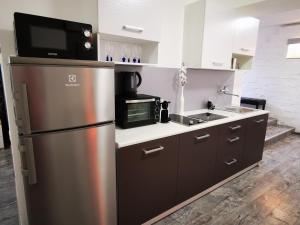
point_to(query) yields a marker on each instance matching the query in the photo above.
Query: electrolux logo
(72, 78)
(72, 81)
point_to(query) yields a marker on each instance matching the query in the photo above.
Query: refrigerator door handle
(23, 120)
(30, 170)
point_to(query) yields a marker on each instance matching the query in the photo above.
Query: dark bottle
(210, 105)
(164, 116)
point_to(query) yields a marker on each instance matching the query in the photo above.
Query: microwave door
(70, 177)
(60, 97)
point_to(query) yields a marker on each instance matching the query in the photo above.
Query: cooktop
(195, 119)
(184, 120)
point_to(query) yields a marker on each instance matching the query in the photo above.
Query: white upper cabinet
(208, 36)
(245, 38)
(139, 19)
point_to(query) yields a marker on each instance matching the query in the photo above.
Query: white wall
(77, 10)
(275, 78)
(202, 86)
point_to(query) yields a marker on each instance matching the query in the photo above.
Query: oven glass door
(138, 112)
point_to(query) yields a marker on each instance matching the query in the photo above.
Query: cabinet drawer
(232, 138)
(236, 128)
(147, 179)
(228, 166)
(231, 145)
(197, 157)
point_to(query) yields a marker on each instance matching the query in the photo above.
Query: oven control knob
(87, 33)
(87, 45)
(156, 109)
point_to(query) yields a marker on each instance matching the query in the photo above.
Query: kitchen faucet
(225, 91)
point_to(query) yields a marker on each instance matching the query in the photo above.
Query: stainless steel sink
(239, 109)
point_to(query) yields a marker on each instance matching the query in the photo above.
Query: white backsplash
(202, 86)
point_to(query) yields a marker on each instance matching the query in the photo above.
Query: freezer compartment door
(58, 97)
(74, 178)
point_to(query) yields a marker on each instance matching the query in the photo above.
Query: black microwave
(44, 37)
(137, 111)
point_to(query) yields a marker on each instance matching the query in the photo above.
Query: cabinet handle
(30, 171)
(133, 28)
(237, 127)
(245, 49)
(233, 161)
(25, 118)
(217, 64)
(232, 140)
(259, 121)
(151, 151)
(199, 138)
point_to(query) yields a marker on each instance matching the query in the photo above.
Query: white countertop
(127, 137)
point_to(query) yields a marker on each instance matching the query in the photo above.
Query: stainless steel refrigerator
(65, 116)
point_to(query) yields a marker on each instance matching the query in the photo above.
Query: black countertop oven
(137, 111)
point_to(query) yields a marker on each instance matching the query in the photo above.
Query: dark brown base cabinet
(255, 140)
(197, 156)
(230, 152)
(147, 180)
(157, 175)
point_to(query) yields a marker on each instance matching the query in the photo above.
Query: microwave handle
(140, 101)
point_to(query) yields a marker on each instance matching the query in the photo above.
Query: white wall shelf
(117, 47)
(244, 62)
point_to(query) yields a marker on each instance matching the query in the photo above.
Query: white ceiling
(285, 18)
(270, 12)
(274, 12)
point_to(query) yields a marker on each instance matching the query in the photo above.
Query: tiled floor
(266, 195)
(8, 206)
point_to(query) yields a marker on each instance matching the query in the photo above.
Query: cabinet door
(135, 19)
(217, 42)
(232, 141)
(197, 156)
(246, 31)
(147, 178)
(255, 140)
